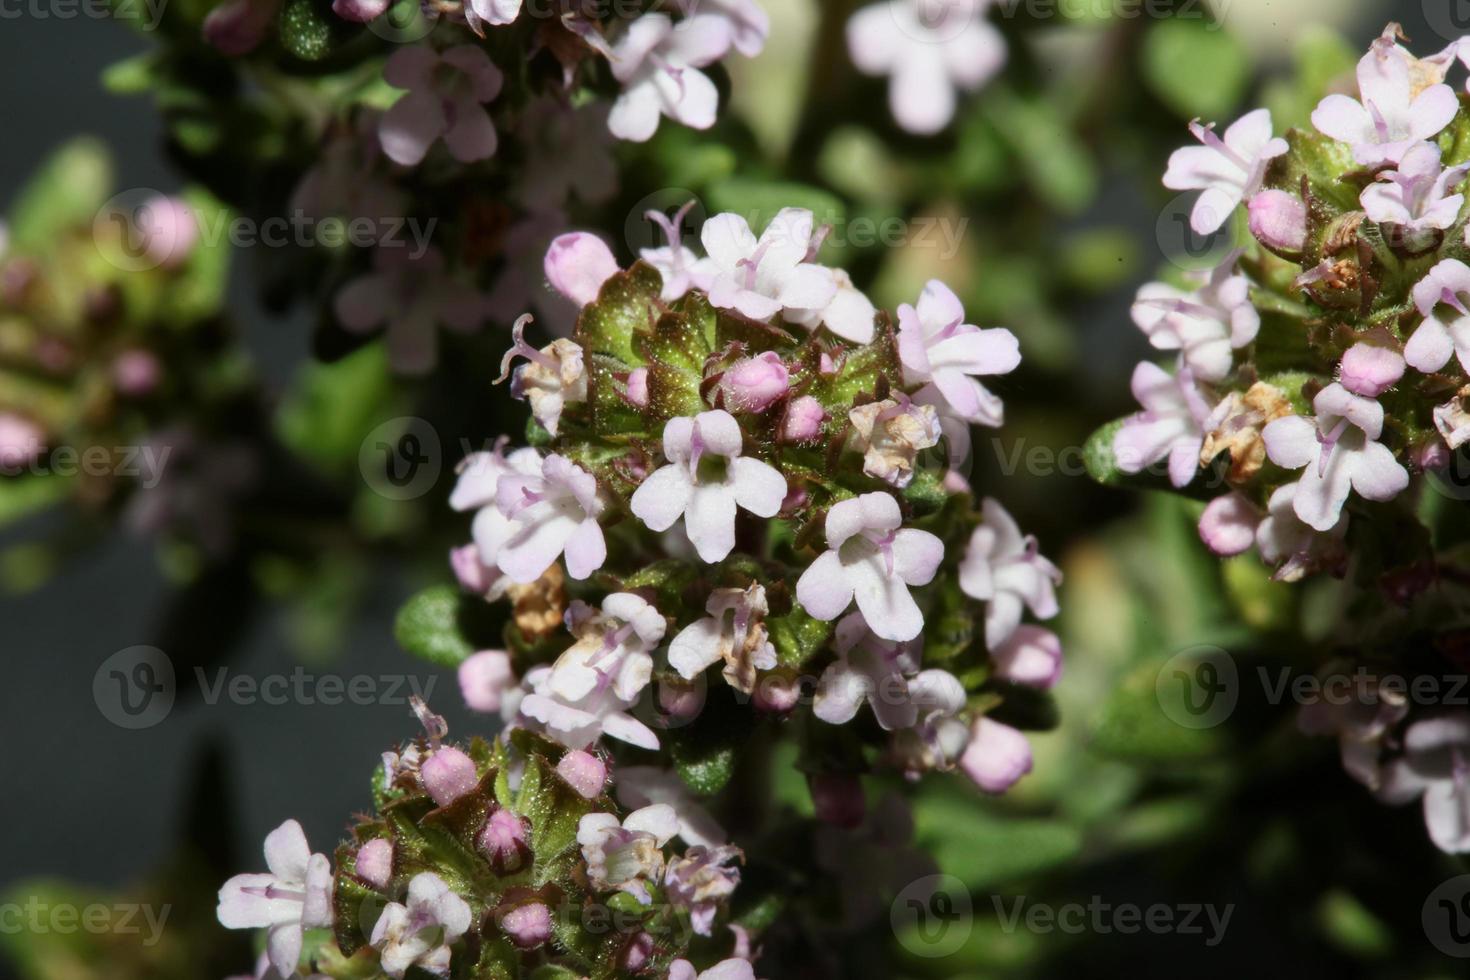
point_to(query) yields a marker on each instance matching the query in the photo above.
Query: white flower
(872, 559)
(850, 315)
(761, 278)
(1004, 569)
(868, 668)
(938, 737)
(1228, 170)
(1445, 330)
(1341, 453)
(734, 631)
(1171, 425)
(749, 24)
(1436, 766)
(641, 786)
(1204, 325)
(676, 263)
(732, 969)
(1417, 194)
(627, 856)
(552, 510)
(706, 479)
(419, 933)
(294, 896)
(946, 355)
(658, 63)
(929, 50)
(550, 378)
(1294, 547)
(588, 691)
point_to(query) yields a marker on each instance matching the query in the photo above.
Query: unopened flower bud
(1432, 454)
(469, 571)
(804, 418)
(777, 694)
(375, 863)
(680, 700)
(136, 373)
(1032, 656)
(528, 926)
(1370, 370)
(503, 840)
(638, 387)
(756, 383)
(838, 799)
(1228, 525)
(577, 264)
(1279, 221)
(484, 678)
(359, 11)
(21, 442)
(637, 953)
(168, 230)
(449, 775)
(997, 756)
(583, 772)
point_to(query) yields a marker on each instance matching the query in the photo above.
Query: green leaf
(797, 636)
(66, 193)
(985, 849)
(21, 496)
(868, 370)
(675, 353)
(626, 308)
(332, 407)
(1056, 164)
(428, 627)
(1195, 67)
(306, 30)
(131, 76)
(1138, 725)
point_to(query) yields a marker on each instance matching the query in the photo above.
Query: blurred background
(1118, 807)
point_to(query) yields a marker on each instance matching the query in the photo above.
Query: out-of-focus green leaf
(428, 627)
(1059, 168)
(984, 849)
(1195, 67)
(67, 192)
(332, 407)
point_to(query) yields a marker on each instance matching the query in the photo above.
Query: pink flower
(1032, 656)
(706, 479)
(169, 231)
(997, 756)
(505, 841)
(755, 383)
(700, 882)
(1339, 454)
(927, 58)
(749, 25)
(1292, 546)
(484, 678)
(238, 26)
(626, 856)
(588, 691)
(477, 566)
(1279, 221)
(1440, 297)
(577, 264)
(496, 13)
(137, 373)
(1435, 766)
(872, 669)
(1170, 426)
(359, 11)
(1391, 117)
(944, 354)
(1204, 324)
(1228, 525)
(551, 512)
(761, 278)
(445, 100)
(657, 63)
(641, 786)
(850, 315)
(874, 560)
(734, 631)
(1370, 369)
(21, 443)
(448, 775)
(1004, 569)
(1228, 170)
(680, 268)
(420, 933)
(409, 296)
(724, 970)
(583, 772)
(528, 926)
(294, 896)
(1417, 195)
(551, 378)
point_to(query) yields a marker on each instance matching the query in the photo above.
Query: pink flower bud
(375, 863)
(238, 27)
(1032, 656)
(168, 230)
(756, 383)
(503, 841)
(528, 926)
(21, 442)
(997, 756)
(359, 11)
(680, 700)
(136, 373)
(484, 678)
(1370, 370)
(956, 482)
(637, 953)
(449, 775)
(1228, 525)
(470, 572)
(1432, 454)
(777, 694)
(638, 387)
(838, 799)
(583, 772)
(804, 418)
(577, 264)
(1279, 221)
